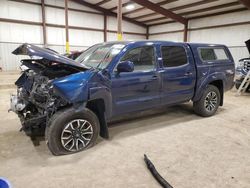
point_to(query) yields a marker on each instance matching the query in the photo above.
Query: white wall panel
(166, 27)
(71, 4)
(113, 37)
(126, 26)
(10, 32)
(239, 53)
(8, 61)
(55, 16)
(20, 11)
(176, 37)
(243, 16)
(85, 38)
(36, 1)
(133, 37)
(77, 6)
(82, 20)
(231, 36)
(55, 35)
(13, 35)
(60, 3)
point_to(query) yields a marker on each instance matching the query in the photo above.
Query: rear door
(178, 73)
(137, 90)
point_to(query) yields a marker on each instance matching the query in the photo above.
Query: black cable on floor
(156, 175)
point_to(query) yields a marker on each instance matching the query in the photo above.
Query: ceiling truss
(161, 15)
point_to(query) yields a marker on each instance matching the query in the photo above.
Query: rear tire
(70, 131)
(209, 102)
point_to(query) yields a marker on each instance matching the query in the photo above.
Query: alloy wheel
(76, 135)
(211, 101)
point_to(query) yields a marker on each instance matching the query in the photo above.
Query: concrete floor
(188, 151)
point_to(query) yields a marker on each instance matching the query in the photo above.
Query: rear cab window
(212, 54)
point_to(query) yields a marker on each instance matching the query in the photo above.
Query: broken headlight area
(35, 102)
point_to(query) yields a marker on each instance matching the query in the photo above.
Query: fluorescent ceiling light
(130, 6)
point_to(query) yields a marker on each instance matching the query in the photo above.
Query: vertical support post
(185, 32)
(105, 28)
(67, 26)
(147, 32)
(44, 24)
(119, 20)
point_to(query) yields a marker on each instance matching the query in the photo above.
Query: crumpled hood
(32, 50)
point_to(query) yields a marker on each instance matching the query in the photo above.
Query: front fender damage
(73, 88)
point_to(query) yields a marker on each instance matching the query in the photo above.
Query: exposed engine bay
(36, 101)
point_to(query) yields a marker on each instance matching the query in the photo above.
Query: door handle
(188, 73)
(155, 77)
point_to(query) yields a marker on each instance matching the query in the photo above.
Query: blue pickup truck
(71, 102)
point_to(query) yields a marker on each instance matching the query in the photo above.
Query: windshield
(99, 56)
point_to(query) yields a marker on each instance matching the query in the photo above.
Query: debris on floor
(156, 175)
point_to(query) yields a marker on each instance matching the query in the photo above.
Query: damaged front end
(35, 102)
(39, 90)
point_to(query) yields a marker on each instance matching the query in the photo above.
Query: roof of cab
(163, 42)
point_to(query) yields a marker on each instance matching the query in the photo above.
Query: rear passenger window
(173, 56)
(213, 54)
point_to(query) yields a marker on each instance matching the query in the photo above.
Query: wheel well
(219, 85)
(98, 107)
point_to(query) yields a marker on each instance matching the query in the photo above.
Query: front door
(137, 90)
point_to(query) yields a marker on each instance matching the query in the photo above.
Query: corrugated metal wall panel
(221, 19)
(166, 27)
(177, 37)
(13, 35)
(126, 26)
(55, 16)
(20, 11)
(10, 32)
(96, 21)
(85, 38)
(113, 37)
(55, 35)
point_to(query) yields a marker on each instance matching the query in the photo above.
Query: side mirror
(125, 66)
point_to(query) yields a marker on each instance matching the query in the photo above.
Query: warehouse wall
(232, 36)
(14, 34)
(171, 32)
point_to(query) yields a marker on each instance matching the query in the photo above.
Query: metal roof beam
(143, 8)
(107, 12)
(167, 13)
(246, 3)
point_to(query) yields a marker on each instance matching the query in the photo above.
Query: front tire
(70, 131)
(208, 103)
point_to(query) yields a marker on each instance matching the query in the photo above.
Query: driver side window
(142, 57)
